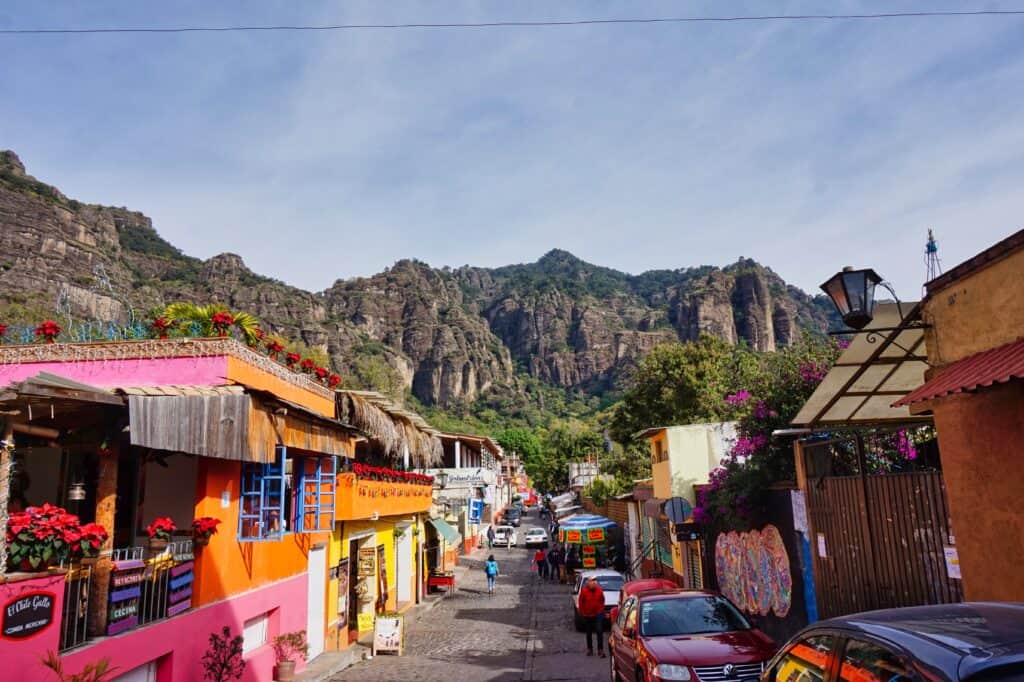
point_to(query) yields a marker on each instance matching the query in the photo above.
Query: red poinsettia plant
(204, 527)
(308, 366)
(160, 327)
(333, 380)
(3, 332)
(372, 473)
(321, 373)
(45, 536)
(253, 341)
(274, 348)
(292, 359)
(48, 331)
(222, 322)
(161, 528)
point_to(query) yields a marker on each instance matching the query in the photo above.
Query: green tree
(682, 383)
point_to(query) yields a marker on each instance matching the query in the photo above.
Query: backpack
(491, 567)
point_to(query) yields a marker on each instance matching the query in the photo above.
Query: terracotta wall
(980, 436)
(981, 311)
(227, 566)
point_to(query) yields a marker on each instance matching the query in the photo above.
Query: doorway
(403, 566)
(317, 607)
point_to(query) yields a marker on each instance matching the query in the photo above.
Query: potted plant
(48, 331)
(160, 532)
(202, 529)
(41, 537)
(286, 647)
(91, 538)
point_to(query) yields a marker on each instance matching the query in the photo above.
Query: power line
(526, 24)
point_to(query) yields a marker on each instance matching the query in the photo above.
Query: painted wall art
(753, 571)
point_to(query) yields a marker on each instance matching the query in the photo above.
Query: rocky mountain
(447, 334)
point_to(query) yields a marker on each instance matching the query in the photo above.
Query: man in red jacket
(591, 608)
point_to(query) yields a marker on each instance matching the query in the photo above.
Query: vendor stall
(592, 541)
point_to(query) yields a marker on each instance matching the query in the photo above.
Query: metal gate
(877, 539)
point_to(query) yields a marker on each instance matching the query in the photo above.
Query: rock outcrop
(447, 335)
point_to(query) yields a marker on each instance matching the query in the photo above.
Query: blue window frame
(261, 509)
(317, 481)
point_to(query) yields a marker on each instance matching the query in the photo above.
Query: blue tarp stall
(599, 539)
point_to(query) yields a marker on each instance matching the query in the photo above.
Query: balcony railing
(75, 614)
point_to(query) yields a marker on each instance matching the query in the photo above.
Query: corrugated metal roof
(989, 367)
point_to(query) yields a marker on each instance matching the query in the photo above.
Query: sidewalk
(330, 663)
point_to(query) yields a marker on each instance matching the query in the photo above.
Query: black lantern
(853, 293)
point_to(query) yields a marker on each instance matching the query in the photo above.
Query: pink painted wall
(23, 655)
(208, 371)
(181, 641)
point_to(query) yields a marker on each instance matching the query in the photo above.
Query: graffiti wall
(753, 571)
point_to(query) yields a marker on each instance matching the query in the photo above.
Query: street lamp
(853, 294)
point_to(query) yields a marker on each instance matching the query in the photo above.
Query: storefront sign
(595, 535)
(574, 536)
(28, 614)
(589, 550)
(366, 621)
(589, 562)
(476, 510)
(388, 634)
(367, 562)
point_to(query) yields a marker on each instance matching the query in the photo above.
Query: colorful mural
(753, 571)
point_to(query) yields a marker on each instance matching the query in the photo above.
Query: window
(254, 632)
(631, 618)
(624, 611)
(261, 513)
(868, 662)
(317, 479)
(659, 451)
(805, 661)
(288, 493)
(689, 616)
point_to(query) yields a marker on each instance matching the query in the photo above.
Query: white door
(403, 566)
(316, 620)
(144, 673)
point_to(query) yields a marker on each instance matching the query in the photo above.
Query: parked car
(685, 635)
(644, 585)
(536, 537)
(513, 516)
(505, 536)
(610, 581)
(942, 643)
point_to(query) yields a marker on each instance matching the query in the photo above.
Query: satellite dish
(678, 509)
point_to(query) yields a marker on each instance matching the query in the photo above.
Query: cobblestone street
(523, 632)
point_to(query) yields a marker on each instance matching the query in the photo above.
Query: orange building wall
(226, 566)
(979, 438)
(242, 372)
(981, 311)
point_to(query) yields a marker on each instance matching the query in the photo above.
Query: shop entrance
(403, 566)
(353, 598)
(317, 607)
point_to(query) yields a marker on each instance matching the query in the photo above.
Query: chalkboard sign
(28, 614)
(389, 634)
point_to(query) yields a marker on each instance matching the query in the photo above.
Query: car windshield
(689, 616)
(610, 583)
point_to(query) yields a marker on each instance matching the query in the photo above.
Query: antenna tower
(931, 258)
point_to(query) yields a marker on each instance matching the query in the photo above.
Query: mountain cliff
(447, 335)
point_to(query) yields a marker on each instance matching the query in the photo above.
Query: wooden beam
(5, 489)
(106, 505)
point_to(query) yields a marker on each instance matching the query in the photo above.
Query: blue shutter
(317, 483)
(261, 508)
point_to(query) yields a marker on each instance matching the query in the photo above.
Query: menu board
(574, 536)
(179, 588)
(595, 535)
(367, 558)
(125, 591)
(389, 634)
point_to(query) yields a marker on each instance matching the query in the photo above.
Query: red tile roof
(995, 366)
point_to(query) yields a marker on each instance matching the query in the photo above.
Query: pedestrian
(573, 562)
(541, 560)
(554, 562)
(491, 569)
(490, 537)
(591, 609)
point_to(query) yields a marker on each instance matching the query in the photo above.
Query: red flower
(221, 322)
(205, 526)
(321, 373)
(48, 331)
(291, 359)
(274, 348)
(3, 329)
(307, 365)
(161, 528)
(333, 380)
(159, 327)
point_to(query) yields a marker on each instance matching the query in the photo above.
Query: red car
(644, 585)
(685, 635)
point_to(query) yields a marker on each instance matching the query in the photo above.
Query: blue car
(982, 642)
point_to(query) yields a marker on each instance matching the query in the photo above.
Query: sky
(321, 156)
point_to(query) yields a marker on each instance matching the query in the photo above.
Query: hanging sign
(595, 535)
(367, 562)
(589, 550)
(589, 562)
(476, 510)
(574, 537)
(389, 634)
(28, 614)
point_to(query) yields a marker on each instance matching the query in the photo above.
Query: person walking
(541, 560)
(491, 569)
(554, 562)
(591, 609)
(490, 537)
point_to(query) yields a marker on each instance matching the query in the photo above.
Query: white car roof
(504, 528)
(599, 573)
(536, 531)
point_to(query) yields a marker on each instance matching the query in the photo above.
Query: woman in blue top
(491, 569)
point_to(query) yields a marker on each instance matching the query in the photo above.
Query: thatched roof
(391, 427)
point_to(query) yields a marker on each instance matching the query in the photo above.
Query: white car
(505, 536)
(536, 537)
(611, 583)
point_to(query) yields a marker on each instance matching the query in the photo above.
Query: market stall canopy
(447, 531)
(584, 529)
(585, 521)
(884, 362)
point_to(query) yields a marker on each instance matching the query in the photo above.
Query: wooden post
(106, 505)
(5, 489)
